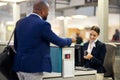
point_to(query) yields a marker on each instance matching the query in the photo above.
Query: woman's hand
(88, 56)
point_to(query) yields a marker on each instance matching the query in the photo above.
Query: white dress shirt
(37, 15)
(91, 45)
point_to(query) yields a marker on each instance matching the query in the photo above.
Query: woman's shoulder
(86, 43)
(100, 43)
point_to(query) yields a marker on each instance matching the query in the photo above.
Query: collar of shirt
(36, 15)
(93, 43)
(90, 46)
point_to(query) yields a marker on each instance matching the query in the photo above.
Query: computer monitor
(79, 53)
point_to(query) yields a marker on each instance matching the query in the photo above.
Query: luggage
(6, 63)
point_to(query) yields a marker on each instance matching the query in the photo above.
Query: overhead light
(9, 22)
(68, 18)
(60, 18)
(13, 0)
(3, 3)
(79, 16)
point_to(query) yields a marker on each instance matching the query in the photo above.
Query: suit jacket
(32, 44)
(98, 53)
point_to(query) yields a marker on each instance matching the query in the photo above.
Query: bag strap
(10, 38)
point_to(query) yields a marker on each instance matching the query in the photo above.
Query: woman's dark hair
(96, 29)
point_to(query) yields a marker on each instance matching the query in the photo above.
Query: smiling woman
(96, 51)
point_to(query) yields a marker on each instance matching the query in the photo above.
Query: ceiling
(64, 7)
(68, 4)
(60, 5)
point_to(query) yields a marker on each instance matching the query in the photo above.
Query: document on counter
(83, 69)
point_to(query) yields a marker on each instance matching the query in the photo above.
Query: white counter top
(76, 73)
(53, 74)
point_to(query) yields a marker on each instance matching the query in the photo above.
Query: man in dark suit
(95, 52)
(79, 39)
(32, 43)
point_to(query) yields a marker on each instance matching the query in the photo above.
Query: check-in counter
(63, 66)
(117, 45)
(118, 49)
(2, 46)
(78, 75)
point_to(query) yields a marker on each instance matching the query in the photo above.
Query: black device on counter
(79, 53)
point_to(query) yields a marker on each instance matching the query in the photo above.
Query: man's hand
(73, 40)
